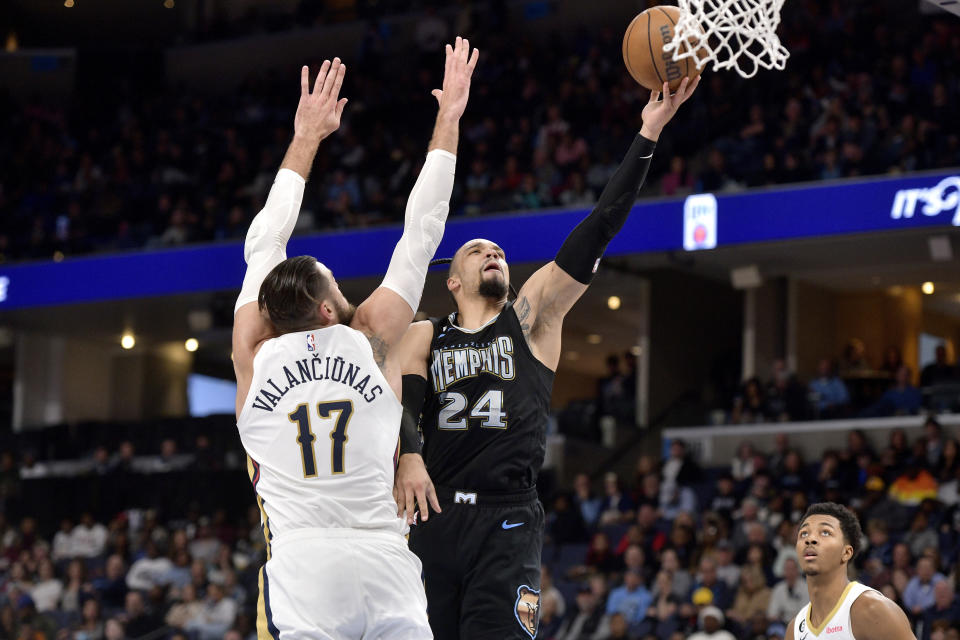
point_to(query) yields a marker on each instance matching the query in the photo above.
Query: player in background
(828, 541)
(484, 412)
(318, 392)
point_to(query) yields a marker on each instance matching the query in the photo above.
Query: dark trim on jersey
(271, 627)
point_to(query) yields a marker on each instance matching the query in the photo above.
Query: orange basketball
(643, 50)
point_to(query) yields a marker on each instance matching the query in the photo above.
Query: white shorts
(342, 584)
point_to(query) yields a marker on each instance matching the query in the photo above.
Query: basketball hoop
(734, 34)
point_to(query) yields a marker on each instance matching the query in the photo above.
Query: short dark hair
(849, 523)
(291, 292)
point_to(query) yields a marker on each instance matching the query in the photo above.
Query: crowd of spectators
(683, 552)
(547, 125)
(849, 388)
(673, 550)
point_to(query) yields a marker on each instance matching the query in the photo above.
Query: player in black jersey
(478, 384)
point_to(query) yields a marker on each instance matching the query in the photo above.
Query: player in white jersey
(318, 393)
(829, 538)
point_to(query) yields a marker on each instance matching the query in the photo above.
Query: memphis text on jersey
(315, 369)
(451, 365)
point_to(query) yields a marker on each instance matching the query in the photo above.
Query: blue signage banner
(698, 222)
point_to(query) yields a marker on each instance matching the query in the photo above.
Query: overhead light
(636, 350)
(191, 345)
(68, 3)
(594, 338)
(58, 256)
(927, 287)
(127, 341)
(168, 4)
(613, 302)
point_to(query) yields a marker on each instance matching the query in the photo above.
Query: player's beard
(494, 288)
(345, 312)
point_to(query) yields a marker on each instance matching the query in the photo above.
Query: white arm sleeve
(266, 243)
(423, 224)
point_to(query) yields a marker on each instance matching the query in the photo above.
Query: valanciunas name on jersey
(316, 369)
(451, 365)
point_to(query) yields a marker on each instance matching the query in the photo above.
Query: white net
(733, 34)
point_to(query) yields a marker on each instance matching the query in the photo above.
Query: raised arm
(318, 115)
(549, 294)
(386, 314)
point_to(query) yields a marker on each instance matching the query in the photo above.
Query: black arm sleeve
(414, 393)
(581, 251)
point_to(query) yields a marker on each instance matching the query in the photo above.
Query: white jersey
(836, 626)
(320, 425)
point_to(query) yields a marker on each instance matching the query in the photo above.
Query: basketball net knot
(734, 34)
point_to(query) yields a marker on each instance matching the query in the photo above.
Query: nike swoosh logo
(517, 524)
(803, 637)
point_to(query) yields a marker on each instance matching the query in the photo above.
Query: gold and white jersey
(320, 426)
(836, 626)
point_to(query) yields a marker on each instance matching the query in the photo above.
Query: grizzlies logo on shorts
(528, 609)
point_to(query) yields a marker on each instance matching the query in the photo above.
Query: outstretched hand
(658, 112)
(319, 111)
(456, 78)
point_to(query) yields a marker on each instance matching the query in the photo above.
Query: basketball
(643, 50)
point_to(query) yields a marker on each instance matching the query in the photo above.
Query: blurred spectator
(743, 465)
(901, 399)
(724, 501)
(939, 371)
(945, 607)
(789, 595)
(753, 596)
(662, 616)
(631, 600)
(785, 397)
(138, 621)
(91, 623)
(710, 622)
(89, 538)
(919, 593)
(830, 394)
(933, 435)
(149, 571)
(680, 468)
(617, 506)
(549, 591)
(727, 569)
(48, 589)
(589, 622)
(707, 578)
(681, 580)
(63, 542)
(111, 589)
(584, 499)
(892, 360)
(600, 556)
(216, 616)
(564, 523)
(913, 486)
(920, 536)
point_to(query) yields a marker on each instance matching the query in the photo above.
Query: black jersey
(484, 420)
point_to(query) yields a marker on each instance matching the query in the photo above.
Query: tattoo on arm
(380, 349)
(523, 314)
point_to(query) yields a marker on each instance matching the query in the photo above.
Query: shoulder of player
(873, 614)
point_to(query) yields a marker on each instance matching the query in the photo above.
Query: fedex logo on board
(944, 197)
